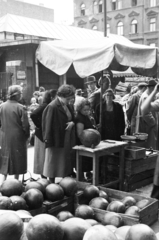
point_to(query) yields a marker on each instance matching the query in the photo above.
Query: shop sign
(21, 75)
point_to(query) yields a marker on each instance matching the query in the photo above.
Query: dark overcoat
(15, 132)
(54, 123)
(119, 118)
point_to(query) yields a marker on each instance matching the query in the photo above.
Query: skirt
(58, 161)
(39, 156)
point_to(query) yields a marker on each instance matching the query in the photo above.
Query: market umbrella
(92, 56)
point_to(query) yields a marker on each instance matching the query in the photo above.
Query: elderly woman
(113, 122)
(36, 116)
(58, 134)
(84, 121)
(15, 132)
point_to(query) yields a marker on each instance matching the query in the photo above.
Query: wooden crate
(67, 205)
(148, 214)
(137, 172)
(99, 214)
(133, 152)
(54, 208)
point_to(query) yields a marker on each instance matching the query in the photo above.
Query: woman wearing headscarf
(113, 122)
(59, 134)
(15, 132)
(39, 145)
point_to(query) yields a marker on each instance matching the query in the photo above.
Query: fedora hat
(151, 82)
(90, 79)
(143, 84)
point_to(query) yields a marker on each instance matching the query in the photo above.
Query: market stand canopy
(91, 56)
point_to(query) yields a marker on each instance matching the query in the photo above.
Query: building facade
(24, 9)
(137, 20)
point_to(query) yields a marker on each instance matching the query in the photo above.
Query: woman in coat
(39, 145)
(59, 134)
(113, 122)
(15, 132)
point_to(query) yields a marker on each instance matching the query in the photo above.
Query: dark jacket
(36, 117)
(119, 118)
(54, 121)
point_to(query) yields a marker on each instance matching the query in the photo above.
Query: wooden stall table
(105, 147)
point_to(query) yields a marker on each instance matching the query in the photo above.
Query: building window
(83, 9)
(94, 27)
(108, 29)
(100, 6)
(120, 28)
(152, 3)
(134, 26)
(152, 24)
(95, 7)
(114, 5)
(134, 2)
(119, 4)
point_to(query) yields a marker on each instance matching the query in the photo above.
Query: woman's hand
(69, 125)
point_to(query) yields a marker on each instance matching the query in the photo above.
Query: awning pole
(101, 93)
(101, 100)
(36, 72)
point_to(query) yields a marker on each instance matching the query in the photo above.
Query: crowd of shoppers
(60, 116)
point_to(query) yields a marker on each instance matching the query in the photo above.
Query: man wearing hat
(132, 106)
(91, 85)
(94, 98)
(147, 123)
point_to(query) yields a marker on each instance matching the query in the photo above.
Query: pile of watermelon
(15, 196)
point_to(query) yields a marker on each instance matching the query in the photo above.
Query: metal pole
(101, 93)
(105, 18)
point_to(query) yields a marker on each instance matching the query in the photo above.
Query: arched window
(133, 2)
(83, 9)
(120, 28)
(152, 24)
(94, 27)
(95, 7)
(134, 26)
(152, 3)
(108, 28)
(100, 6)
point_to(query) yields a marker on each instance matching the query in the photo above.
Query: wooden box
(133, 152)
(53, 208)
(137, 172)
(148, 214)
(99, 214)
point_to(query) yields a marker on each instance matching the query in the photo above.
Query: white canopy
(91, 56)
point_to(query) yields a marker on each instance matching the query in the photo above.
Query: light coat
(15, 132)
